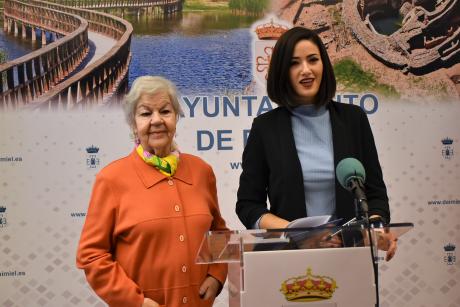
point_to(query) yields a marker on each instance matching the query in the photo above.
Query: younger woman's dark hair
(279, 87)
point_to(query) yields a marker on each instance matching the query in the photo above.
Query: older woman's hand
(209, 288)
(150, 303)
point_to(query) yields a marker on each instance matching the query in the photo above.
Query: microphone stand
(357, 187)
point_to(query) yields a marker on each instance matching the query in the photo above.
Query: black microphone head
(349, 169)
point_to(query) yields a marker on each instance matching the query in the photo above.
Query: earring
(134, 136)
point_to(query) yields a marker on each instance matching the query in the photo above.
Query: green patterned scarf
(166, 165)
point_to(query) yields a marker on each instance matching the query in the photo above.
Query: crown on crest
(449, 247)
(270, 30)
(447, 141)
(92, 149)
(308, 288)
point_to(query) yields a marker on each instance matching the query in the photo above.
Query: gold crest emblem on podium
(308, 288)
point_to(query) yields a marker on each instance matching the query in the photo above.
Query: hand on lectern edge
(328, 241)
(150, 303)
(209, 288)
(316, 239)
(388, 242)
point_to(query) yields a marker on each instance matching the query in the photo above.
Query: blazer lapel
(342, 145)
(340, 138)
(291, 162)
(286, 137)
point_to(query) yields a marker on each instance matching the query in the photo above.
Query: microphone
(351, 175)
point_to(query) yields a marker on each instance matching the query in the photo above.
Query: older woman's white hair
(149, 85)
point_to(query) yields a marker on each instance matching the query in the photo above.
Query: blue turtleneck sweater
(313, 140)
(312, 132)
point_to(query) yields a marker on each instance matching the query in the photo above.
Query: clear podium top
(228, 246)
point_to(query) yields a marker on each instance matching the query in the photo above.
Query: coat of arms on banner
(92, 161)
(447, 148)
(308, 288)
(2, 216)
(265, 33)
(449, 258)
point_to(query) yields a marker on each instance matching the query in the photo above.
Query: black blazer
(272, 167)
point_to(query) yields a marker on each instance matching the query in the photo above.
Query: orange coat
(143, 231)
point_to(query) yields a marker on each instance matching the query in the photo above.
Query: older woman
(293, 150)
(149, 211)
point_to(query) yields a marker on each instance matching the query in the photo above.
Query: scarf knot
(166, 165)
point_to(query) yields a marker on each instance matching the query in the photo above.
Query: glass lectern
(292, 267)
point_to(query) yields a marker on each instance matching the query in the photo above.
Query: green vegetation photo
(355, 79)
(200, 5)
(250, 6)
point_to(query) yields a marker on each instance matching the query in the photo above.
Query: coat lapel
(342, 145)
(291, 162)
(184, 173)
(151, 176)
(340, 138)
